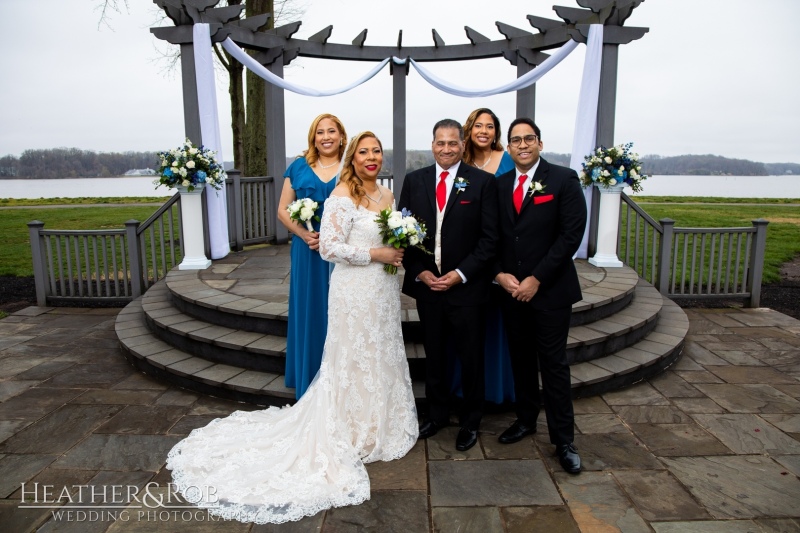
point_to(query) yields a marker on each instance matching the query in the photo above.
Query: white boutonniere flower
(534, 187)
(460, 184)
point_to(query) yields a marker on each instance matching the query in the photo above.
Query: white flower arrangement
(190, 167)
(304, 210)
(617, 165)
(536, 186)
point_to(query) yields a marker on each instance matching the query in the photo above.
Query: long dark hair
(469, 146)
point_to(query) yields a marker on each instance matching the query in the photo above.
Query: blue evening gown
(308, 288)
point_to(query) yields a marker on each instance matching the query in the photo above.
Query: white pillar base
(194, 263)
(605, 261)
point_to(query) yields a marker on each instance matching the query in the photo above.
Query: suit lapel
(451, 199)
(430, 190)
(505, 189)
(540, 175)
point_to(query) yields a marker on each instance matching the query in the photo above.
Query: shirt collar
(453, 170)
(529, 173)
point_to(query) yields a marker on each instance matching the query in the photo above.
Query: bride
(279, 465)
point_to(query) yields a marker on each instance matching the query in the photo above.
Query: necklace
(380, 196)
(327, 166)
(488, 159)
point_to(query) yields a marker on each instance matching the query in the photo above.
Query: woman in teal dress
(484, 150)
(313, 176)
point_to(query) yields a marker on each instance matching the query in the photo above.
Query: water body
(719, 186)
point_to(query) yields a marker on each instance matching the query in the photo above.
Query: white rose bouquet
(190, 167)
(613, 166)
(401, 230)
(304, 210)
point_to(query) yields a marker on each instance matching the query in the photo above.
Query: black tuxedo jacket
(469, 234)
(542, 239)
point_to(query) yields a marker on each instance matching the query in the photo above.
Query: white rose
(174, 163)
(583, 175)
(633, 173)
(608, 160)
(190, 164)
(413, 240)
(185, 183)
(182, 172)
(621, 168)
(612, 181)
(306, 213)
(537, 186)
(209, 179)
(192, 151)
(411, 221)
(606, 173)
(395, 220)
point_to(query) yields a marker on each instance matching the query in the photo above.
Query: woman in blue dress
(484, 150)
(313, 176)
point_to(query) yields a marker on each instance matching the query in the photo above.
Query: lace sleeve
(337, 221)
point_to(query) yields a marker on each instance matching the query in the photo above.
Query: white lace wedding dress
(279, 465)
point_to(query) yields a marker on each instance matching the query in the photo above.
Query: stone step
(200, 295)
(657, 350)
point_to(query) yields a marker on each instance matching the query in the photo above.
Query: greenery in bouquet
(613, 166)
(401, 230)
(189, 166)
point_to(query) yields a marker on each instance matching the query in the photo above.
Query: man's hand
(450, 279)
(508, 282)
(427, 277)
(527, 289)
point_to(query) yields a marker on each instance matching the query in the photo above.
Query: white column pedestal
(608, 228)
(194, 256)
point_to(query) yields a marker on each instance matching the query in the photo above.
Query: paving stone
(385, 511)
(186, 424)
(142, 420)
(94, 376)
(187, 367)
(791, 462)
(652, 414)
(790, 423)
(600, 423)
(406, 473)
(763, 316)
(217, 373)
(10, 388)
(459, 519)
(442, 446)
(697, 376)
(748, 433)
(36, 402)
(658, 496)
(44, 370)
(60, 430)
(778, 525)
(748, 374)
(118, 397)
(9, 427)
(640, 394)
(552, 519)
(697, 405)
(685, 363)
(750, 398)
(14, 518)
(12, 366)
(51, 483)
(498, 483)
(119, 452)
(598, 504)
(177, 397)
(140, 381)
(205, 405)
(672, 385)
(16, 469)
(701, 355)
(592, 404)
(738, 358)
(604, 451)
(738, 486)
(728, 526)
(494, 425)
(670, 440)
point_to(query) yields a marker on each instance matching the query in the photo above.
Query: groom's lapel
(430, 188)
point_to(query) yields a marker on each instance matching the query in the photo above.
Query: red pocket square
(463, 202)
(542, 199)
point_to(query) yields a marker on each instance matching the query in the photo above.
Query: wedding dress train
(282, 464)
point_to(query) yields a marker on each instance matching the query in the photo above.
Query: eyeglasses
(516, 141)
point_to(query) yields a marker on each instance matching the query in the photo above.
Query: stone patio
(711, 445)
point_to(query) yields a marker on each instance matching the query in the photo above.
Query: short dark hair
(449, 123)
(524, 120)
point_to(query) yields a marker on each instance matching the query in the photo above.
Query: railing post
(135, 257)
(238, 215)
(756, 270)
(665, 254)
(39, 267)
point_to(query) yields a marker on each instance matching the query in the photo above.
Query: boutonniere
(460, 184)
(534, 187)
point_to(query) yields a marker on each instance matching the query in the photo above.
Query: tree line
(57, 163)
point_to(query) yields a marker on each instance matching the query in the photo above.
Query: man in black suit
(542, 215)
(451, 286)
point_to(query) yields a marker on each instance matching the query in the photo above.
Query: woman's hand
(387, 255)
(311, 238)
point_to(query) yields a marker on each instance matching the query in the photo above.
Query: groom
(459, 206)
(542, 217)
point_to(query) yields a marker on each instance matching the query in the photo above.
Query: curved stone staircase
(222, 331)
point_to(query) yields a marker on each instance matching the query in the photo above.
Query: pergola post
(191, 107)
(399, 74)
(276, 141)
(526, 98)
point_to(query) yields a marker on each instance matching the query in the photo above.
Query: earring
(340, 142)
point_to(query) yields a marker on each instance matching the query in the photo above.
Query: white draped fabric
(584, 137)
(585, 122)
(216, 201)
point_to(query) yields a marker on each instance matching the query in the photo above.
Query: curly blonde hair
(312, 154)
(469, 146)
(348, 176)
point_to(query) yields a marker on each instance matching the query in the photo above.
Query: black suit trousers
(464, 327)
(537, 342)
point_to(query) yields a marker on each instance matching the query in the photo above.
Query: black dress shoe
(466, 439)
(429, 429)
(516, 432)
(569, 458)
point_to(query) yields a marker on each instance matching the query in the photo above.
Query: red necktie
(441, 190)
(519, 193)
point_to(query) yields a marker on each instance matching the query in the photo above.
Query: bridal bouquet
(189, 166)
(617, 165)
(303, 210)
(401, 230)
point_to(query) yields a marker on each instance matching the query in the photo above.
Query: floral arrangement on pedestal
(615, 166)
(189, 166)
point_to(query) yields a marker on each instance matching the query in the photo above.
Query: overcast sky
(711, 76)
